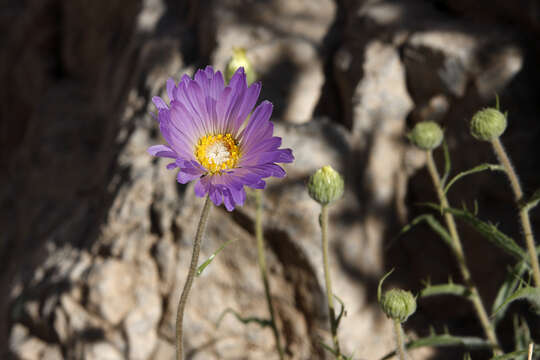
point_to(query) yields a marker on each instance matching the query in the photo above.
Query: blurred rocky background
(96, 234)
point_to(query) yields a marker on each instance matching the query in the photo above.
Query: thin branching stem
(264, 273)
(189, 280)
(460, 256)
(400, 344)
(523, 212)
(328, 281)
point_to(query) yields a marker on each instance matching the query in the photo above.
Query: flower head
(239, 59)
(398, 304)
(427, 135)
(211, 139)
(326, 185)
(488, 124)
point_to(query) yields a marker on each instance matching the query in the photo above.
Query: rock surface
(98, 233)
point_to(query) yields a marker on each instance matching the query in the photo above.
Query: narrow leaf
(526, 292)
(444, 289)
(516, 354)
(476, 169)
(244, 320)
(533, 201)
(341, 312)
(379, 288)
(508, 287)
(329, 349)
(433, 223)
(203, 266)
(447, 163)
(490, 232)
(444, 340)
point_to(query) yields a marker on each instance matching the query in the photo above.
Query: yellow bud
(239, 59)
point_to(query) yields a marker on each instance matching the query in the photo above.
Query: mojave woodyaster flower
(211, 139)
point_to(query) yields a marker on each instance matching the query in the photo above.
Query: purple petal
(215, 195)
(177, 140)
(254, 151)
(162, 151)
(189, 170)
(259, 126)
(171, 85)
(200, 188)
(249, 99)
(228, 200)
(184, 123)
(160, 104)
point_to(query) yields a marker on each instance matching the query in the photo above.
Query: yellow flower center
(217, 152)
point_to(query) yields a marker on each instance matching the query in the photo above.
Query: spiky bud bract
(397, 304)
(326, 185)
(427, 135)
(488, 124)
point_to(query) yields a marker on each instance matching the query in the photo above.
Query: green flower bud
(398, 304)
(427, 135)
(326, 185)
(239, 59)
(488, 124)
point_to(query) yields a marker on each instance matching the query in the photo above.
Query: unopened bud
(239, 59)
(326, 185)
(488, 124)
(427, 135)
(398, 304)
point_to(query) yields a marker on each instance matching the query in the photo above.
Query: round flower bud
(239, 59)
(398, 304)
(326, 185)
(488, 124)
(427, 135)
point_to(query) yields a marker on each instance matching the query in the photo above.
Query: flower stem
(460, 256)
(400, 348)
(523, 212)
(264, 273)
(189, 279)
(329, 293)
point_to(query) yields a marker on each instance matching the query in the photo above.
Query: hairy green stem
(523, 212)
(460, 256)
(329, 293)
(400, 348)
(264, 273)
(189, 279)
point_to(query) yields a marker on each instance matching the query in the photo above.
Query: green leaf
(516, 354)
(526, 292)
(244, 320)
(433, 223)
(447, 164)
(332, 351)
(203, 266)
(329, 349)
(467, 356)
(510, 284)
(476, 169)
(444, 289)
(532, 202)
(341, 312)
(379, 288)
(444, 340)
(490, 232)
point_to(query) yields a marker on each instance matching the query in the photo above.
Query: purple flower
(214, 140)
